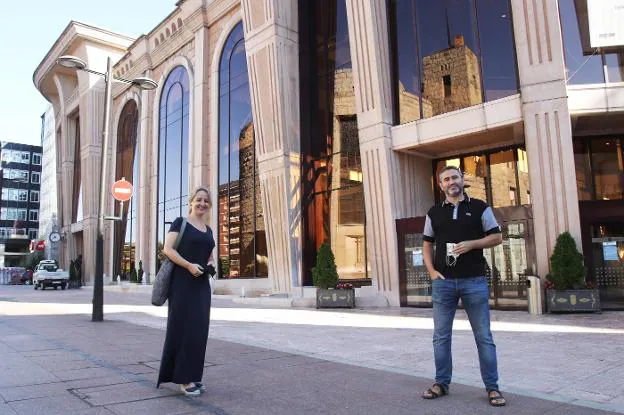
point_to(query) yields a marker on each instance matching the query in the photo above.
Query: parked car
(48, 274)
(27, 277)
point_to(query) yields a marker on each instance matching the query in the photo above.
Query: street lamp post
(76, 63)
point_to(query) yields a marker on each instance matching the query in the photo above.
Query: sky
(29, 29)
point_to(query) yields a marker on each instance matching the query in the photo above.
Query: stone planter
(335, 298)
(572, 300)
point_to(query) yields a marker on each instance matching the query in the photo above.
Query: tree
(32, 259)
(324, 274)
(567, 271)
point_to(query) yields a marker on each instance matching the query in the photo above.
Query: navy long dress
(189, 310)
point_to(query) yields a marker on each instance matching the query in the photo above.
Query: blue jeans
(474, 294)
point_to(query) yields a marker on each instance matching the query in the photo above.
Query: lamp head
(144, 83)
(72, 62)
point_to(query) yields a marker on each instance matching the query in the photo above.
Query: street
(266, 359)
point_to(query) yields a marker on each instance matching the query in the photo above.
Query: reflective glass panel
(173, 152)
(615, 67)
(475, 176)
(503, 179)
(606, 157)
(241, 238)
(580, 69)
(450, 54)
(583, 171)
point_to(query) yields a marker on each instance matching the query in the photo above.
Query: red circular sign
(122, 190)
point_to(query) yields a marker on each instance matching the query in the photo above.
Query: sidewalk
(67, 364)
(290, 361)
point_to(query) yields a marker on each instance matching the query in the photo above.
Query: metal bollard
(534, 294)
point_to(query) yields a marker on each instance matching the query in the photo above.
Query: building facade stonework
(309, 133)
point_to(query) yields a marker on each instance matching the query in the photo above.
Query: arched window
(127, 165)
(173, 151)
(242, 237)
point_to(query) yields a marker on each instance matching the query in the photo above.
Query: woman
(189, 297)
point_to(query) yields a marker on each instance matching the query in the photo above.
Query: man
(460, 228)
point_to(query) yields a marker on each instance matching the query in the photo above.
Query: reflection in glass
(615, 67)
(523, 176)
(500, 178)
(126, 167)
(498, 59)
(503, 179)
(172, 152)
(418, 284)
(77, 214)
(585, 68)
(332, 168)
(507, 263)
(583, 173)
(455, 52)
(242, 238)
(475, 176)
(606, 159)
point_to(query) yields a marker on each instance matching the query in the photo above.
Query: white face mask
(451, 257)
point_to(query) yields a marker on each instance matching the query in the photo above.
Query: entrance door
(602, 229)
(509, 263)
(608, 263)
(414, 281)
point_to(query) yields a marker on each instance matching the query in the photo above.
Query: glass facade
(333, 194)
(173, 158)
(450, 54)
(77, 213)
(127, 167)
(242, 243)
(500, 177)
(599, 168)
(585, 66)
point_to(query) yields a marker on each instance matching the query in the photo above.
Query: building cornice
(74, 31)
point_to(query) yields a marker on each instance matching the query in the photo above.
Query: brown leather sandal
(496, 398)
(435, 392)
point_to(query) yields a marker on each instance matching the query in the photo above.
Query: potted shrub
(325, 278)
(566, 288)
(140, 273)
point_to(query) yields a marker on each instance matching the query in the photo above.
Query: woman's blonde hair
(198, 189)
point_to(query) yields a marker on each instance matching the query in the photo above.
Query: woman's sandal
(496, 398)
(434, 392)
(190, 391)
(201, 386)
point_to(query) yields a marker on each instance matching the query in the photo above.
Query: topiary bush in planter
(325, 278)
(566, 288)
(324, 274)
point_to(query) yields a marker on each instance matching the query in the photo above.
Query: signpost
(122, 190)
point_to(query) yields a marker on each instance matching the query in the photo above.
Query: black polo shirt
(470, 219)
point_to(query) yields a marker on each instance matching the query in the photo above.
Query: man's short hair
(446, 168)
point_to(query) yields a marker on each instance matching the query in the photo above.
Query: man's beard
(454, 191)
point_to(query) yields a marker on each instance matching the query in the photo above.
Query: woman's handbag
(160, 290)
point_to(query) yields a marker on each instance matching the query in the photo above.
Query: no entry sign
(122, 190)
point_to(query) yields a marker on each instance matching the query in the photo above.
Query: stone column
(91, 120)
(142, 191)
(547, 125)
(199, 148)
(271, 42)
(382, 167)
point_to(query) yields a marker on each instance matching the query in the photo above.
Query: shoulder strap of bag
(179, 237)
